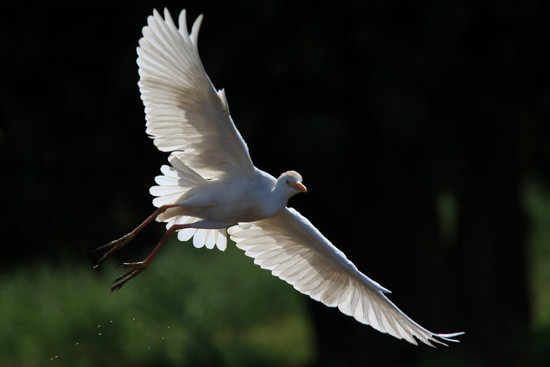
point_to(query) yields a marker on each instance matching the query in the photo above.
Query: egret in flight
(211, 188)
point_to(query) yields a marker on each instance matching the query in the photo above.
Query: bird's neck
(278, 198)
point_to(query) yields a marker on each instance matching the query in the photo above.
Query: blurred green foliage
(537, 202)
(190, 308)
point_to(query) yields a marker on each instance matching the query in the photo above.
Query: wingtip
(195, 30)
(167, 14)
(447, 338)
(183, 12)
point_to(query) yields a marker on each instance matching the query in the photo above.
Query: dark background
(384, 107)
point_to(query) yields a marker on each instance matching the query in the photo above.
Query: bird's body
(211, 184)
(244, 200)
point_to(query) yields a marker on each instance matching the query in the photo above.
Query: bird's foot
(137, 268)
(114, 245)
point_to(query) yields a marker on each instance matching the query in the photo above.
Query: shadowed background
(422, 133)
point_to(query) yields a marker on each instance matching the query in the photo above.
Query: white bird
(211, 184)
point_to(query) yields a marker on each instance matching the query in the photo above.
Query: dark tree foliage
(382, 106)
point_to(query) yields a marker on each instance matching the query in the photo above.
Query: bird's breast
(237, 200)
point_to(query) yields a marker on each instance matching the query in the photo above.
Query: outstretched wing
(295, 251)
(184, 111)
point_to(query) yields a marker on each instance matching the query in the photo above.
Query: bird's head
(291, 183)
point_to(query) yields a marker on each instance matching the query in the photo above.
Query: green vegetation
(537, 202)
(190, 308)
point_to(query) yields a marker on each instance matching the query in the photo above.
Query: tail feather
(177, 180)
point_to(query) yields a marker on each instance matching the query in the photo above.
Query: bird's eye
(288, 182)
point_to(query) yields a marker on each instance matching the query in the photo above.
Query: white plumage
(211, 184)
(295, 251)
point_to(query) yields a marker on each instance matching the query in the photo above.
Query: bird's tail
(177, 179)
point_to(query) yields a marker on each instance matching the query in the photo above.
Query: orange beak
(298, 186)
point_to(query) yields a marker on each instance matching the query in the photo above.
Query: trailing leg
(140, 266)
(123, 241)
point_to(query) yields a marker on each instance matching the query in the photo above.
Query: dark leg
(123, 241)
(140, 266)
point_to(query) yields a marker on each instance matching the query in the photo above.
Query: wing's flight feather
(184, 112)
(295, 251)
